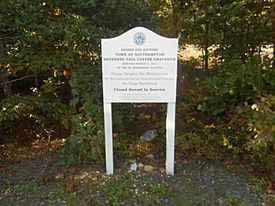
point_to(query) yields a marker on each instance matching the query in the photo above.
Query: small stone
(263, 99)
(185, 162)
(148, 135)
(133, 167)
(140, 165)
(150, 156)
(162, 170)
(148, 168)
(238, 109)
(94, 179)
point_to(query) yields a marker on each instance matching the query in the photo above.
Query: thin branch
(19, 79)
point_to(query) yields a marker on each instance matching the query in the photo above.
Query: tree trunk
(273, 31)
(175, 19)
(206, 44)
(6, 85)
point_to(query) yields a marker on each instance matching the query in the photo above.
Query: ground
(33, 176)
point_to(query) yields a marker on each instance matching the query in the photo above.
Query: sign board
(139, 66)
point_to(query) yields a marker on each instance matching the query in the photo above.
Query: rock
(150, 156)
(133, 167)
(162, 170)
(263, 99)
(238, 109)
(94, 179)
(148, 168)
(59, 176)
(148, 135)
(140, 165)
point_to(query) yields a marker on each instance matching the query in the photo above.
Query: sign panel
(139, 66)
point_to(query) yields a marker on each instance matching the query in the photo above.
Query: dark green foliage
(55, 46)
(232, 35)
(219, 28)
(86, 140)
(249, 130)
(24, 119)
(244, 94)
(40, 109)
(58, 42)
(233, 83)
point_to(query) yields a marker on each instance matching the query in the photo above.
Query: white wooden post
(170, 138)
(108, 138)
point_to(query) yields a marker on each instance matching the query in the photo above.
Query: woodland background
(51, 110)
(51, 70)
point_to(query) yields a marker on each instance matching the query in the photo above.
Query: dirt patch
(35, 177)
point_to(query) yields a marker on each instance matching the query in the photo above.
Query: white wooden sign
(139, 66)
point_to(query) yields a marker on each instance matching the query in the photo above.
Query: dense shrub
(38, 108)
(242, 98)
(249, 129)
(235, 82)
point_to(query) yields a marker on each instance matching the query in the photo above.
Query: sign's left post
(108, 129)
(108, 137)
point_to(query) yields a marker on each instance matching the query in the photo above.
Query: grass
(159, 189)
(117, 192)
(127, 189)
(22, 173)
(233, 200)
(257, 184)
(124, 189)
(27, 187)
(269, 198)
(58, 191)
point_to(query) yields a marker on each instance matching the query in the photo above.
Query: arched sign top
(140, 35)
(139, 66)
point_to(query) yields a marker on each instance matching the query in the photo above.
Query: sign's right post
(170, 138)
